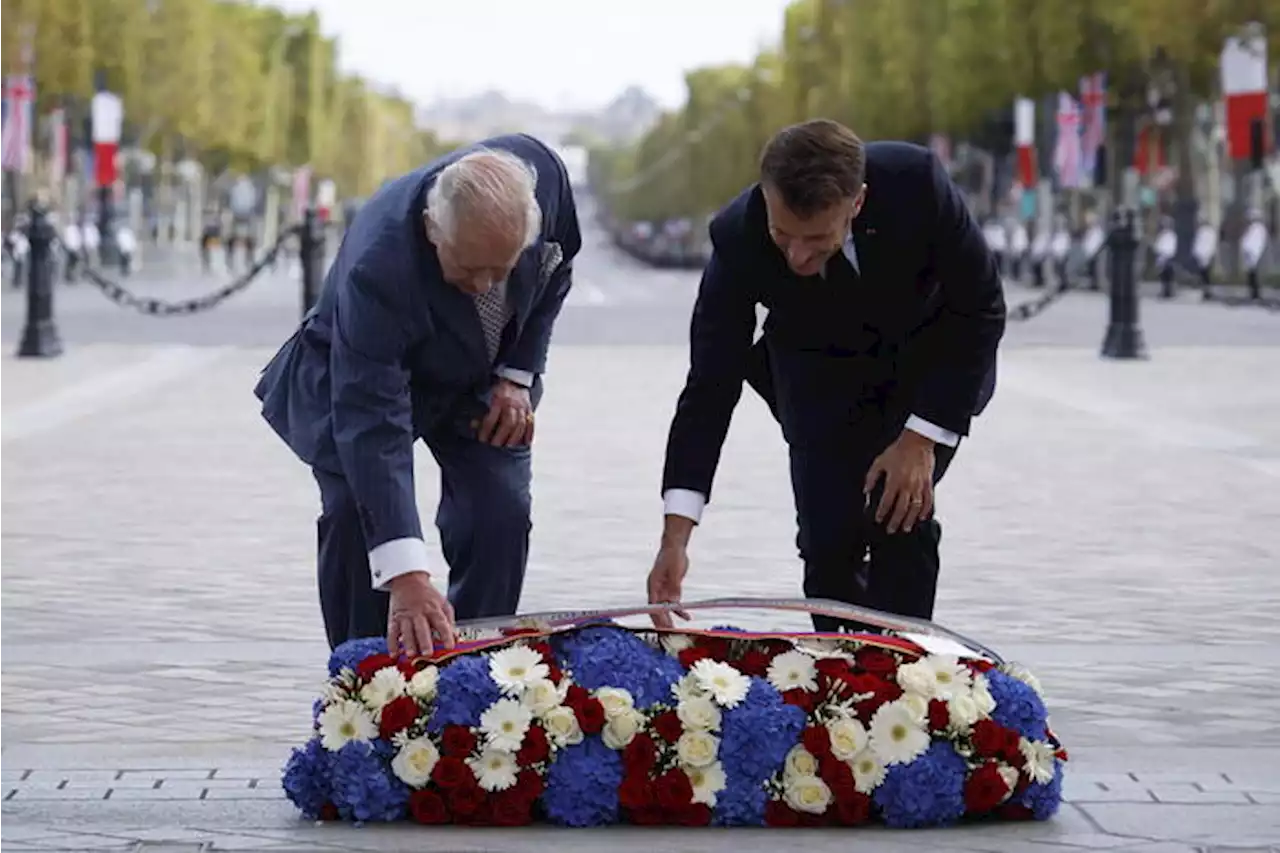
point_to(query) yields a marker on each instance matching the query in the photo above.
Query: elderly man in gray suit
(434, 324)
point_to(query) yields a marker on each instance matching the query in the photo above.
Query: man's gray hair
(495, 185)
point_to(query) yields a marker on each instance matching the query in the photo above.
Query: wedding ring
(917, 501)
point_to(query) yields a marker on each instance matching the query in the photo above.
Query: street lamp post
(1124, 337)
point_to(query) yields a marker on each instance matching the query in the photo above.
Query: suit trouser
(484, 523)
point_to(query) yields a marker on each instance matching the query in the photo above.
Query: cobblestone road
(1112, 525)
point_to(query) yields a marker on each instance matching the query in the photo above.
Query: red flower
(754, 662)
(397, 715)
(328, 812)
(881, 691)
(939, 716)
(544, 648)
(370, 665)
(668, 726)
(640, 755)
(530, 785)
(876, 661)
(466, 800)
(451, 773)
(510, 808)
(694, 814)
(688, 657)
(802, 699)
(817, 740)
(534, 748)
(428, 807)
(636, 792)
(407, 669)
(838, 776)
(778, 813)
(832, 667)
(981, 665)
(458, 741)
(717, 647)
(673, 790)
(590, 716)
(1013, 811)
(646, 816)
(807, 819)
(985, 789)
(554, 673)
(576, 696)
(854, 809)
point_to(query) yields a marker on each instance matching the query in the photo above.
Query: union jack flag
(19, 96)
(1066, 153)
(1093, 100)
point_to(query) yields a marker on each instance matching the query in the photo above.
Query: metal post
(107, 253)
(311, 253)
(1124, 336)
(40, 337)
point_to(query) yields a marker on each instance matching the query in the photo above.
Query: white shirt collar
(850, 252)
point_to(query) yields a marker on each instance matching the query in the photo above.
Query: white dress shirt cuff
(521, 377)
(396, 557)
(685, 503)
(932, 432)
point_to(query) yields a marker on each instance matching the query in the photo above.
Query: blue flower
(1018, 706)
(926, 792)
(362, 787)
(465, 691)
(1044, 798)
(317, 708)
(350, 653)
(755, 738)
(582, 785)
(306, 778)
(613, 657)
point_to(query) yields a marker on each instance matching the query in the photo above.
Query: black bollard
(311, 252)
(1124, 335)
(40, 337)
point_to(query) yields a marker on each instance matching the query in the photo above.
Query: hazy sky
(558, 52)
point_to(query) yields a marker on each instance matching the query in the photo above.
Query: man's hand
(510, 419)
(907, 468)
(666, 580)
(417, 610)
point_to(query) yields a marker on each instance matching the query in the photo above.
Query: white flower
(1020, 672)
(868, 771)
(674, 644)
(897, 733)
(687, 688)
(514, 668)
(800, 762)
(949, 675)
(848, 737)
(495, 769)
(333, 691)
(387, 684)
(1039, 758)
(981, 695)
(622, 728)
(615, 701)
(916, 678)
(806, 794)
(963, 711)
(415, 761)
(505, 723)
(699, 714)
(917, 705)
(697, 749)
(707, 782)
(793, 671)
(562, 725)
(345, 721)
(541, 696)
(819, 648)
(1010, 777)
(423, 684)
(723, 682)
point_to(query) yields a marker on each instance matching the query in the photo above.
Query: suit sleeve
(373, 420)
(963, 338)
(720, 338)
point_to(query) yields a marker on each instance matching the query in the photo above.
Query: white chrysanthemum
(707, 782)
(1010, 777)
(793, 671)
(897, 733)
(800, 762)
(514, 668)
(916, 678)
(697, 749)
(345, 721)
(980, 692)
(1040, 762)
(1020, 672)
(541, 696)
(950, 676)
(848, 737)
(686, 688)
(868, 771)
(562, 726)
(333, 691)
(495, 769)
(725, 684)
(674, 644)
(423, 684)
(622, 728)
(963, 712)
(387, 683)
(415, 761)
(699, 714)
(806, 794)
(615, 701)
(917, 705)
(504, 724)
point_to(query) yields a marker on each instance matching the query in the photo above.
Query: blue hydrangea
(927, 792)
(317, 708)
(306, 778)
(1044, 798)
(363, 790)
(582, 785)
(612, 657)
(350, 653)
(755, 738)
(465, 691)
(1018, 706)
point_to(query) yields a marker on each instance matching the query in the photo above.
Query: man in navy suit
(884, 314)
(434, 323)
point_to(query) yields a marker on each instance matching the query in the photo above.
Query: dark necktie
(494, 310)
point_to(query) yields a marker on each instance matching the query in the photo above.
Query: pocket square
(552, 255)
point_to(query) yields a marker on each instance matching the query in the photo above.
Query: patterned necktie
(494, 311)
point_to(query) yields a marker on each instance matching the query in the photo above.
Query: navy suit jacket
(392, 351)
(915, 333)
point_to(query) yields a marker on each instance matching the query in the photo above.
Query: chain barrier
(1034, 307)
(154, 307)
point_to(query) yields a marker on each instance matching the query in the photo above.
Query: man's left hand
(907, 469)
(509, 422)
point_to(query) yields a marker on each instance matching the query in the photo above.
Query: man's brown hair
(814, 165)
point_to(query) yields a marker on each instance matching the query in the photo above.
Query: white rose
(415, 761)
(619, 730)
(800, 762)
(917, 678)
(963, 711)
(806, 794)
(697, 749)
(917, 705)
(423, 684)
(615, 701)
(699, 714)
(848, 738)
(541, 696)
(562, 725)
(387, 683)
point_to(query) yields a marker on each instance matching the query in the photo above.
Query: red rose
(590, 716)
(328, 812)
(530, 785)
(397, 715)
(854, 809)
(636, 792)
(576, 696)
(778, 813)
(833, 667)
(458, 741)
(407, 669)
(1009, 750)
(673, 790)
(646, 816)
(694, 814)
(534, 748)
(939, 716)
(554, 673)
(802, 699)
(688, 657)
(428, 807)
(466, 799)
(1061, 755)
(838, 776)
(876, 661)
(988, 738)
(370, 665)
(817, 740)
(807, 819)
(544, 649)
(981, 665)
(668, 726)
(1013, 811)
(640, 755)
(881, 691)
(509, 808)
(985, 789)
(717, 647)
(451, 773)
(754, 662)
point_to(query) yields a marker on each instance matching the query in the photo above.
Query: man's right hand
(418, 609)
(666, 581)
